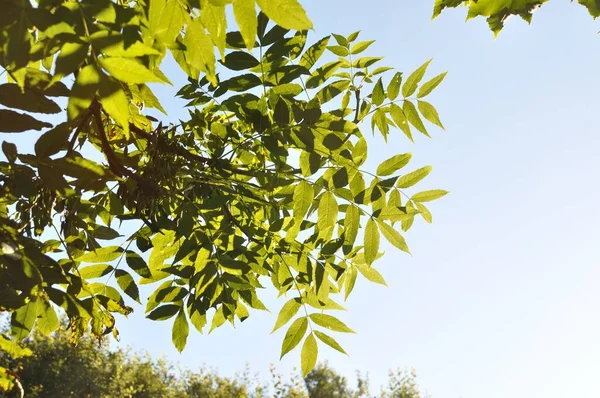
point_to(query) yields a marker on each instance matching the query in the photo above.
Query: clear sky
(501, 296)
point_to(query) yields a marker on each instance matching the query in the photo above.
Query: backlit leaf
(371, 241)
(410, 179)
(393, 164)
(393, 236)
(330, 341)
(181, 330)
(430, 85)
(428, 196)
(309, 354)
(286, 13)
(330, 322)
(294, 335)
(289, 309)
(429, 113)
(411, 84)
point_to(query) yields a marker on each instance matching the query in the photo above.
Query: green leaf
(137, 264)
(240, 60)
(303, 198)
(101, 255)
(332, 90)
(164, 312)
(330, 341)
(47, 320)
(200, 53)
(13, 349)
(338, 50)
(330, 322)
(244, 12)
(399, 118)
(218, 319)
(53, 141)
(314, 52)
(393, 164)
(95, 271)
(213, 18)
(371, 274)
(127, 284)
(349, 281)
(351, 225)
(13, 122)
(394, 87)
(425, 213)
(181, 330)
(287, 312)
(288, 14)
(11, 96)
(393, 236)
(309, 354)
(69, 59)
(371, 241)
(365, 62)
(23, 319)
(294, 335)
(165, 20)
(378, 95)
(128, 70)
(429, 113)
(361, 46)
(115, 102)
(429, 86)
(410, 86)
(410, 179)
(413, 117)
(428, 196)
(327, 215)
(83, 91)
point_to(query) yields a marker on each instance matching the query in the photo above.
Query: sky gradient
(500, 297)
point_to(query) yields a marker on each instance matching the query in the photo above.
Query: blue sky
(500, 297)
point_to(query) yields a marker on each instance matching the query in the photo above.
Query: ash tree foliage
(497, 12)
(262, 184)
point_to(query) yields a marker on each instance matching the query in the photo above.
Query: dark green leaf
(13, 122)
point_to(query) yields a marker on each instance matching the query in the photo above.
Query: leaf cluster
(262, 184)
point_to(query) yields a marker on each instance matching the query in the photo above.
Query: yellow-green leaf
(413, 117)
(47, 321)
(429, 113)
(287, 312)
(244, 12)
(394, 87)
(393, 164)
(330, 322)
(327, 215)
(425, 213)
(393, 236)
(371, 241)
(371, 274)
(303, 198)
(361, 46)
(330, 341)
(101, 255)
(288, 14)
(351, 225)
(429, 86)
(83, 91)
(181, 330)
(213, 18)
(378, 95)
(127, 284)
(410, 179)
(309, 354)
(200, 53)
(399, 118)
(410, 86)
(294, 335)
(115, 102)
(128, 70)
(428, 196)
(95, 271)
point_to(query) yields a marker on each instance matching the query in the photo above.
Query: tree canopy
(497, 12)
(262, 184)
